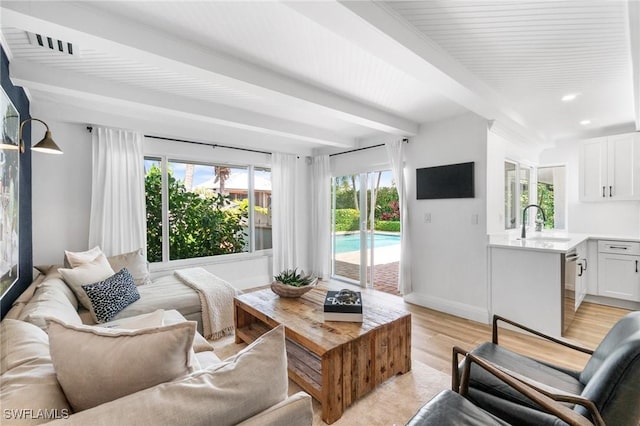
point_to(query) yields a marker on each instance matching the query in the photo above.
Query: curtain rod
(213, 145)
(362, 149)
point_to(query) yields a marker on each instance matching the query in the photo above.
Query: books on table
(343, 305)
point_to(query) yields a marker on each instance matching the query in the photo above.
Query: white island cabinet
(529, 282)
(619, 270)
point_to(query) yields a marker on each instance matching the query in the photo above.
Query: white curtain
(283, 208)
(320, 216)
(118, 215)
(395, 151)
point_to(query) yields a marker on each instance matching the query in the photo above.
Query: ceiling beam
(88, 112)
(84, 25)
(53, 80)
(379, 30)
(634, 36)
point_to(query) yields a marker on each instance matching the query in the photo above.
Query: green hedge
(388, 225)
(347, 220)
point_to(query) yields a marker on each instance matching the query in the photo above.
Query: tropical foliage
(348, 213)
(199, 224)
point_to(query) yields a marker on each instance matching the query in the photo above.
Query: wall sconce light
(46, 145)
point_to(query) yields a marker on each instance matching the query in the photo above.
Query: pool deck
(386, 266)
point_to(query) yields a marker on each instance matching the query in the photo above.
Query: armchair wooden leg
(455, 371)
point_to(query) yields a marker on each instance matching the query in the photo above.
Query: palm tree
(222, 174)
(188, 176)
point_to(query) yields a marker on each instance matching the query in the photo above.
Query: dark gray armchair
(451, 408)
(607, 390)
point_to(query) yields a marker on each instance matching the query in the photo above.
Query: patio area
(386, 266)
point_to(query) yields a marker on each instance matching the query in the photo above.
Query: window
(510, 195)
(551, 196)
(209, 209)
(518, 193)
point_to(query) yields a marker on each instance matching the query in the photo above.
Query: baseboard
(610, 301)
(458, 309)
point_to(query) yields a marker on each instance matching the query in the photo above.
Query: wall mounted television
(448, 181)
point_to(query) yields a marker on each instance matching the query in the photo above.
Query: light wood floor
(435, 333)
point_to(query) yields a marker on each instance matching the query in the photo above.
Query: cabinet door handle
(636, 266)
(603, 194)
(610, 191)
(581, 269)
(618, 248)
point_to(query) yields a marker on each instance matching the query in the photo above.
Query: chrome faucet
(523, 234)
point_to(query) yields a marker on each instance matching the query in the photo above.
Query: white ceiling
(323, 75)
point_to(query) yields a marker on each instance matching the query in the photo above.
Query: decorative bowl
(284, 290)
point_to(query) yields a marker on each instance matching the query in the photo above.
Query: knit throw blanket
(216, 300)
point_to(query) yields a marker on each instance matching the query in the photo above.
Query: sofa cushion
(200, 344)
(52, 298)
(135, 263)
(111, 295)
(28, 385)
(225, 394)
(152, 319)
(75, 259)
(87, 273)
(167, 293)
(95, 365)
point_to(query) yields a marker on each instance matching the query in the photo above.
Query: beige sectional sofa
(249, 388)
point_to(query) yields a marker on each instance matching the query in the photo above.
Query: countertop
(549, 241)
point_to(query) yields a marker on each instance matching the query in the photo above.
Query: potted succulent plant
(293, 283)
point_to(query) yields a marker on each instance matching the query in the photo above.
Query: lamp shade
(47, 145)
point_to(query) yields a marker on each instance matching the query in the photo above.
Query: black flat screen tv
(449, 181)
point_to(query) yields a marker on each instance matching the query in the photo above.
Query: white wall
(61, 193)
(62, 202)
(449, 255)
(615, 218)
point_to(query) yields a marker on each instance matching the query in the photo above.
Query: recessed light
(585, 122)
(569, 97)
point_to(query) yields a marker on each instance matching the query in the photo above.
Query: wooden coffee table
(335, 362)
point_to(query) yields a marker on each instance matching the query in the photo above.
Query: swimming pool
(351, 242)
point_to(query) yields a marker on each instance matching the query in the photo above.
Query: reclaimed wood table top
(303, 317)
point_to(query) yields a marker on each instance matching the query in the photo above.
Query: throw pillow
(28, 384)
(75, 259)
(87, 273)
(153, 319)
(95, 365)
(224, 394)
(110, 296)
(135, 263)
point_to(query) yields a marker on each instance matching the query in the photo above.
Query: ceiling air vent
(52, 44)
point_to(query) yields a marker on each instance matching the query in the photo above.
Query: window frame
(533, 184)
(166, 263)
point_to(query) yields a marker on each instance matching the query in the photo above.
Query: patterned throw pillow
(110, 296)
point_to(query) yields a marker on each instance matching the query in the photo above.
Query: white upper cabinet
(610, 168)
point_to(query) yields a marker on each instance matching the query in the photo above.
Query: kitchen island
(537, 281)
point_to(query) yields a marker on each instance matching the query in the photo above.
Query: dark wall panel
(21, 102)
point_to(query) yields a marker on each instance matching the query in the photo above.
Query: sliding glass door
(366, 230)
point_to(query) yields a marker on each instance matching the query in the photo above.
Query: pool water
(351, 242)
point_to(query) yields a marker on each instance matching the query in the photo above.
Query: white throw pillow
(87, 273)
(95, 365)
(74, 259)
(224, 394)
(135, 263)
